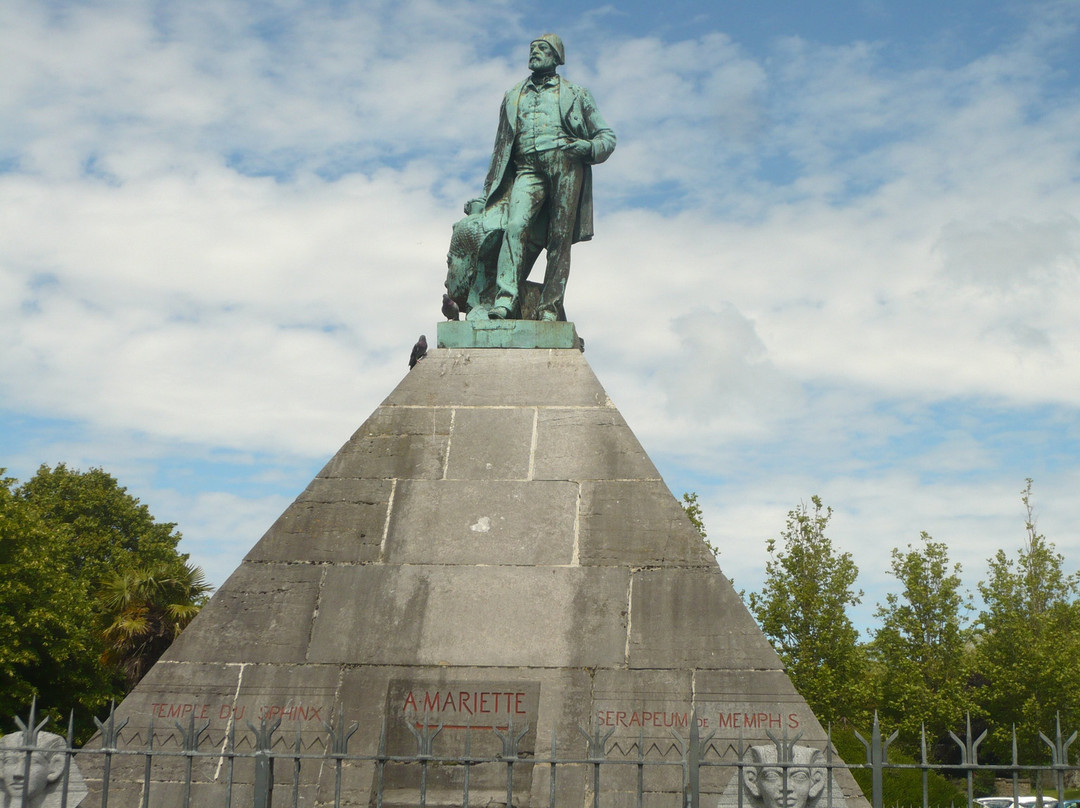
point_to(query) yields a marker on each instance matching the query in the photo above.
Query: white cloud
(224, 225)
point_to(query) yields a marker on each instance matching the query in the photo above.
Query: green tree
(803, 610)
(62, 534)
(922, 649)
(106, 528)
(50, 648)
(1028, 641)
(144, 609)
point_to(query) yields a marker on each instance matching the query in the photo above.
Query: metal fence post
(596, 752)
(690, 748)
(231, 766)
(969, 757)
(190, 738)
(551, 785)
(876, 756)
(1015, 768)
(1059, 751)
(829, 767)
(339, 747)
(696, 751)
(925, 769)
(263, 786)
(510, 743)
(425, 738)
(110, 734)
(29, 740)
(68, 752)
(148, 764)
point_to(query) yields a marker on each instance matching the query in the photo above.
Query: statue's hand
(578, 149)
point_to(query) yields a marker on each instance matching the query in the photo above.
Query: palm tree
(143, 610)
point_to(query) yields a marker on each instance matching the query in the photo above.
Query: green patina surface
(507, 334)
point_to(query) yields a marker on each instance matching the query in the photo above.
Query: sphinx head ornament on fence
(40, 785)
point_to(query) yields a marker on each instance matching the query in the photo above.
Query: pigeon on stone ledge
(450, 309)
(419, 351)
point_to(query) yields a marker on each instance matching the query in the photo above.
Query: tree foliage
(1028, 643)
(144, 609)
(921, 648)
(803, 610)
(697, 519)
(63, 534)
(104, 528)
(50, 649)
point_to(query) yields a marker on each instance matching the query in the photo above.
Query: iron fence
(262, 767)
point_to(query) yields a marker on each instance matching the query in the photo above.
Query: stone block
(316, 531)
(639, 523)
(335, 490)
(508, 378)
(642, 709)
(262, 613)
(431, 615)
(174, 691)
(573, 784)
(303, 697)
(758, 685)
(387, 421)
(373, 698)
(385, 457)
(693, 618)
(491, 443)
(746, 703)
(588, 444)
(393, 442)
(623, 690)
(356, 778)
(171, 694)
(458, 522)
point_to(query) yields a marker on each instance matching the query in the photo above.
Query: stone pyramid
(491, 548)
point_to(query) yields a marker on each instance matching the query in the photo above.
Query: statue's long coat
(581, 119)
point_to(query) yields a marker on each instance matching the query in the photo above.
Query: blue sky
(837, 250)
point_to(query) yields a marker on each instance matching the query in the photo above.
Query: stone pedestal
(491, 548)
(507, 334)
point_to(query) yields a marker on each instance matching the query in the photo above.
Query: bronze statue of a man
(550, 134)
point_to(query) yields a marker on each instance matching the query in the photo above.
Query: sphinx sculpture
(783, 775)
(43, 785)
